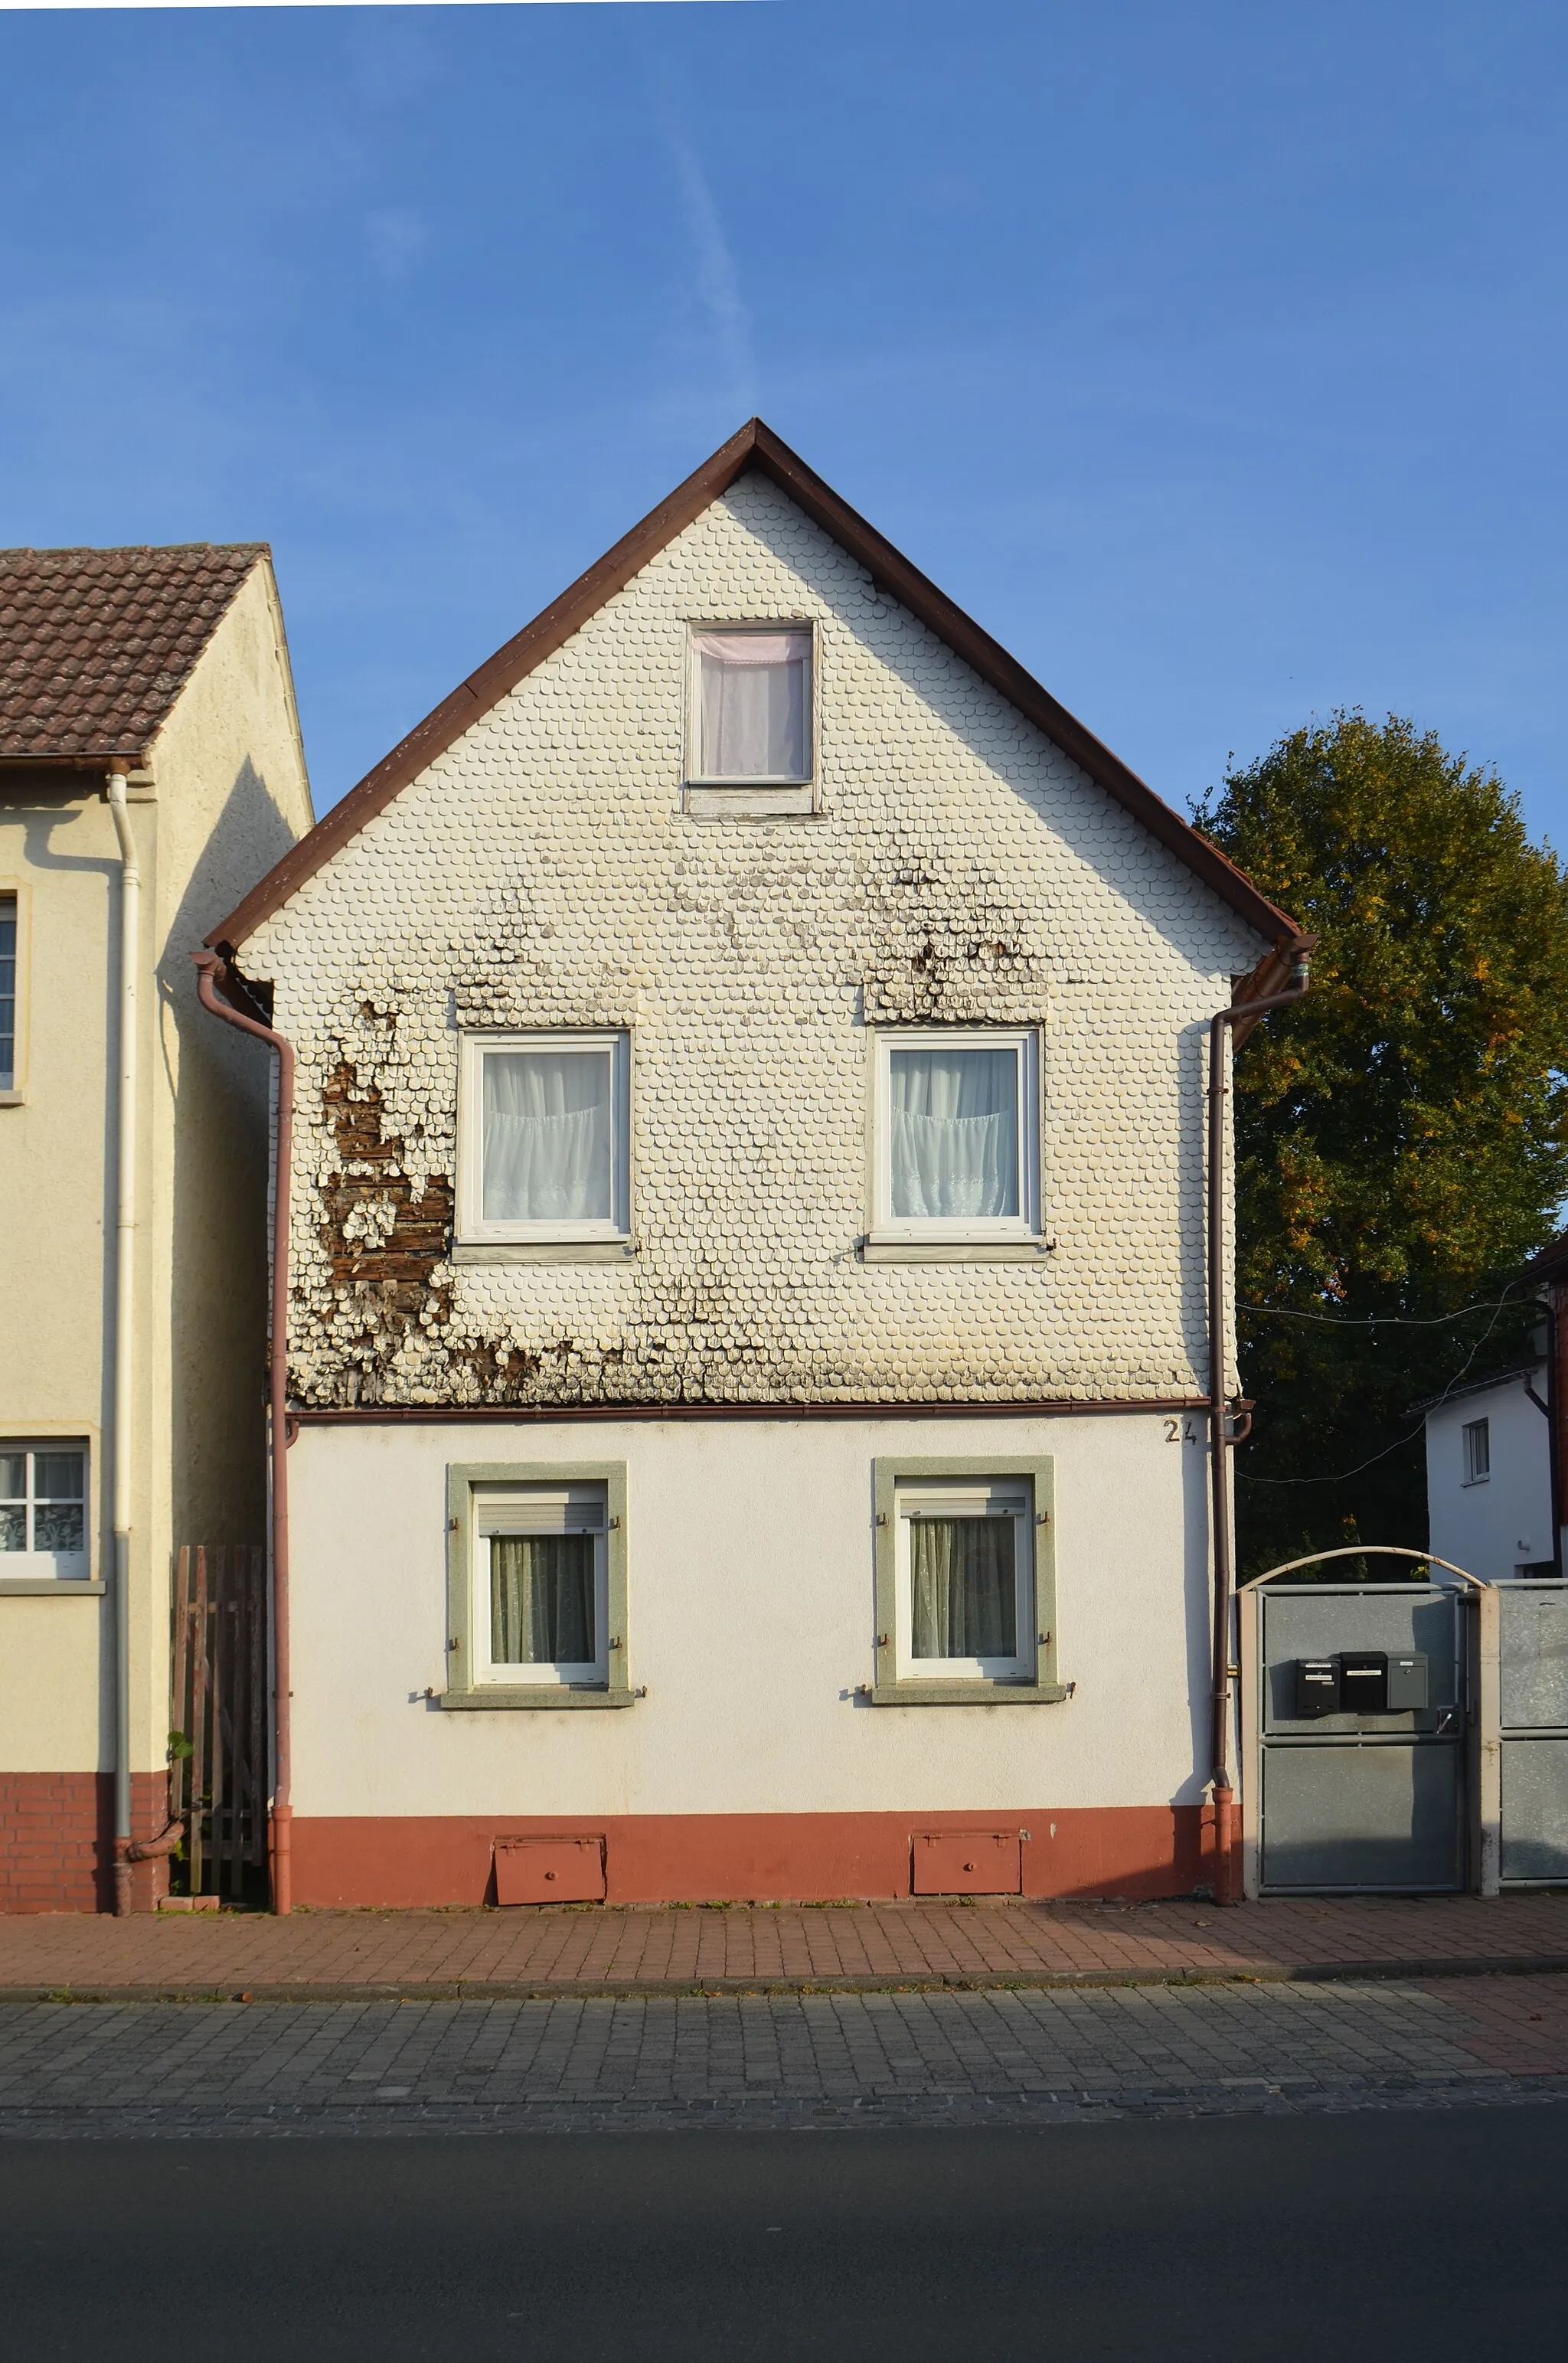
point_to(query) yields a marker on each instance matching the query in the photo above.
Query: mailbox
(1407, 1682)
(1317, 1686)
(1364, 1681)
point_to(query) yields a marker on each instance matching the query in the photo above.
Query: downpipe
(125, 1306)
(210, 968)
(1223, 1432)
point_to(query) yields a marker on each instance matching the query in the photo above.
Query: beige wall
(228, 795)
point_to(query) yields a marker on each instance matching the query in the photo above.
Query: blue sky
(1210, 353)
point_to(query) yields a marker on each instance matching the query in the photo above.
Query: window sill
(64, 1587)
(874, 1251)
(996, 1693)
(13, 1099)
(1466, 1482)
(772, 801)
(480, 1251)
(535, 1695)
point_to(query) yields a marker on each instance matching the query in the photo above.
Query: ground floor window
(965, 1580)
(43, 1508)
(536, 1585)
(542, 1569)
(966, 1590)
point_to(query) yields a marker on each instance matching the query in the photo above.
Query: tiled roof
(95, 645)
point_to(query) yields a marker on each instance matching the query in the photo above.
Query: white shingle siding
(541, 873)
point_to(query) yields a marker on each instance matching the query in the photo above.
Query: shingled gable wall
(541, 874)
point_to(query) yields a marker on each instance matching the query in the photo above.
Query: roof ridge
(755, 445)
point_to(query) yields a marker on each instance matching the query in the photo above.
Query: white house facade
(1489, 1504)
(747, 1318)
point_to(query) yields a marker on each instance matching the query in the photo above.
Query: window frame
(472, 1230)
(15, 891)
(763, 782)
(68, 1571)
(1022, 1230)
(1469, 1433)
(473, 1682)
(1037, 1680)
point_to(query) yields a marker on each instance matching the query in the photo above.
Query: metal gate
(1357, 1703)
(1532, 1732)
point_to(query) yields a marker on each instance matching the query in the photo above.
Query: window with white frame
(957, 1150)
(965, 1573)
(541, 1584)
(749, 720)
(43, 1509)
(543, 1123)
(7, 992)
(1476, 1437)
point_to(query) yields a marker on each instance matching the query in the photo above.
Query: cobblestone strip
(780, 2061)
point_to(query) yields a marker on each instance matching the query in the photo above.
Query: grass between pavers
(415, 1989)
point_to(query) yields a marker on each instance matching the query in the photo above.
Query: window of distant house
(7, 992)
(544, 1127)
(965, 1580)
(957, 1136)
(43, 1510)
(1476, 1437)
(750, 723)
(541, 1584)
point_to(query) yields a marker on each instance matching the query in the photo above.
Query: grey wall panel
(1535, 1809)
(1382, 1816)
(1322, 1623)
(1535, 1656)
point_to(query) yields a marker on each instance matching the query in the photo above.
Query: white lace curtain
(753, 705)
(541, 1600)
(952, 1122)
(547, 1136)
(964, 1598)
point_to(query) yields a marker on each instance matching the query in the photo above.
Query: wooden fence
(218, 1711)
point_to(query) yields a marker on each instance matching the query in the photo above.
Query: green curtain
(541, 1600)
(964, 1596)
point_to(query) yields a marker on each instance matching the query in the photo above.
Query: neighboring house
(1489, 1476)
(747, 1277)
(1497, 1451)
(150, 765)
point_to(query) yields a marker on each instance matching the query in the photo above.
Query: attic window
(751, 706)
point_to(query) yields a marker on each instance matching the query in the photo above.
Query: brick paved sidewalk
(780, 2062)
(592, 1949)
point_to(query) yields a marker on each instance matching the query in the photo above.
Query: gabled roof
(95, 645)
(1551, 1263)
(757, 446)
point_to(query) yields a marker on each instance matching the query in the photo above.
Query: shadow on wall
(222, 1086)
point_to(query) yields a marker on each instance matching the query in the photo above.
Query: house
(747, 1330)
(1496, 1451)
(151, 766)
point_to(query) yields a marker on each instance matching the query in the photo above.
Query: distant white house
(1489, 1476)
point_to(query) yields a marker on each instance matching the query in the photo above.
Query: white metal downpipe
(125, 1332)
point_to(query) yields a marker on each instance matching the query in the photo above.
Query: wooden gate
(217, 1772)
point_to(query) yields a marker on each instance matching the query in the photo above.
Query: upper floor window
(751, 706)
(958, 1135)
(43, 1509)
(1477, 1438)
(544, 1125)
(7, 992)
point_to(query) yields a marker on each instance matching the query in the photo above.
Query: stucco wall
(751, 1618)
(227, 796)
(1492, 1529)
(543, 873)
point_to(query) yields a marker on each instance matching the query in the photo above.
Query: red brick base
(1135, 1850)
(57, 1840)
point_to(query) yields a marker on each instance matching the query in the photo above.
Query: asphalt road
(1395, 2235)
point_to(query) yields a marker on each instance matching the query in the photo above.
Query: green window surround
(464, 1478)
(1045, 1689)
